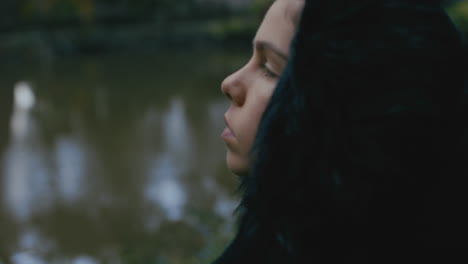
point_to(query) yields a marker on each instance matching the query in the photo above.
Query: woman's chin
(237, 165)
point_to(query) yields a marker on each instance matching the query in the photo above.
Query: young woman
(250, 88)
(360, 154)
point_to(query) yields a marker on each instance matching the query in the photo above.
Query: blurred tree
(8, 12)
(33, 11)
(90, 9)
(458, 10)
(6, 102)
(100, 24)
(85, 11)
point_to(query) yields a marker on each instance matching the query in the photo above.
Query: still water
(116, 159)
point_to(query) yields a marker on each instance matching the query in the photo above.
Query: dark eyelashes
(267, 71)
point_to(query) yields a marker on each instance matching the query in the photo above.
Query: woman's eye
(267, 72)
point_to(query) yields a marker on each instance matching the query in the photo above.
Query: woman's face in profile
(250, 88)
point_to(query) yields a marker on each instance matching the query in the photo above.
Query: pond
(116, 159)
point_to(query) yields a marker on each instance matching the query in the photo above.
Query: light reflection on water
(105, 166)
(69, 157)
(26, 180)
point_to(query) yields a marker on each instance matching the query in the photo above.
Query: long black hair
(363, 144)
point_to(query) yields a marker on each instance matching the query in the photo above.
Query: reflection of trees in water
(6, 98)
(129, 153)
(7, 235)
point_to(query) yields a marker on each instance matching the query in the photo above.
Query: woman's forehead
(279, 23)
(293, 10)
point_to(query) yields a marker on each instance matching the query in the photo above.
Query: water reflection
(21, 121)
(165, 171)
(30, 258)
(177, 133)
(26, 258)
(164, 187)
(26, 181)
(97, 172)
(69, 157)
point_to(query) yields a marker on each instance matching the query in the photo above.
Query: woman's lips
(227, 134)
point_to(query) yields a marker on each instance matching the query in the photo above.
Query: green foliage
(31, 10)
(458, 11)
(65, 9)
(260, 6)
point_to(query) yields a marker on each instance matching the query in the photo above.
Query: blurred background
(110, 116)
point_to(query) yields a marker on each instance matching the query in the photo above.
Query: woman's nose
(234, 87)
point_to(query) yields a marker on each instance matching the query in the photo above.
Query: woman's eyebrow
(262, 45)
